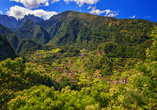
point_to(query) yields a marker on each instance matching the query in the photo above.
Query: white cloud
(46, 4)
(147, 16)
(89, 7)
(132, 17)
(112, 14)
(15, 0)
(19, 12)
(81, 2)
(55, 1)
(108, 12)
(0, 12)
(6, 8)
(33, 3)
(98, 12)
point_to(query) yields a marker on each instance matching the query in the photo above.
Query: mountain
(27, 45)
(7, 21)
(88, 31)
(30, 30)
(10, 35)
(20, 45)
(6, 49)
(33, 18)
(14, 24)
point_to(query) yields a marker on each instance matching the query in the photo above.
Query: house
(79, 72)
(73, 71)
(126, 80)
(49, 71)
(101, 79)
(121, 80)
(37, 50)
(58, 80)
(116, 82)
(108, 81)
(83, 54)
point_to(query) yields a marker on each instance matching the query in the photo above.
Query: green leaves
(17, 75)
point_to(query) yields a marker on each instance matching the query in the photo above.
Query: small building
(101, 79)
(79, 72)
(58, 80)
(116, 82)
(83, 54)
(49, 71)
(126, 80)
(121, 80)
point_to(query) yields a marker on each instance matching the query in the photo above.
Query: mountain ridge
(30, 30)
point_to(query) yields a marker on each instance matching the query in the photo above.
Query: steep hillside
(33, 18)
(10, 35)
(31, 30)
(6, 50)
(87, 31)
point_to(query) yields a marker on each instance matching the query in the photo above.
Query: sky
(121, 9)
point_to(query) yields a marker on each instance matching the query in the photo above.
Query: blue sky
(128, 9)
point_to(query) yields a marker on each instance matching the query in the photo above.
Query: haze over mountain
(13, 23)
(31, 17)
(7, 21)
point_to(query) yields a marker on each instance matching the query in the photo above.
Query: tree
(17, 75)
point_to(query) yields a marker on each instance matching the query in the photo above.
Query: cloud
(112, 14)
(46, 4)
(55, 1)
(132, 17)
(80, 3)
(6, 8)
(147, 17)
(89, 7)
(108, 12)
(0, 12)
(33, 3)
(19, 12)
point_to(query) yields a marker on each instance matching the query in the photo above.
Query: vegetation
(84, 69)
(6, 49)
(30, 30)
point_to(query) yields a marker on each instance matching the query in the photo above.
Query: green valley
(79, 61)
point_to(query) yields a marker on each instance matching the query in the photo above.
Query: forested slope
(30, 30)
(6, 49)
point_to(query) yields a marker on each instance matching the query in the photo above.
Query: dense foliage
(6, 49)
(30, 30)
(17, 75)
(92, 64)
(10, 35)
